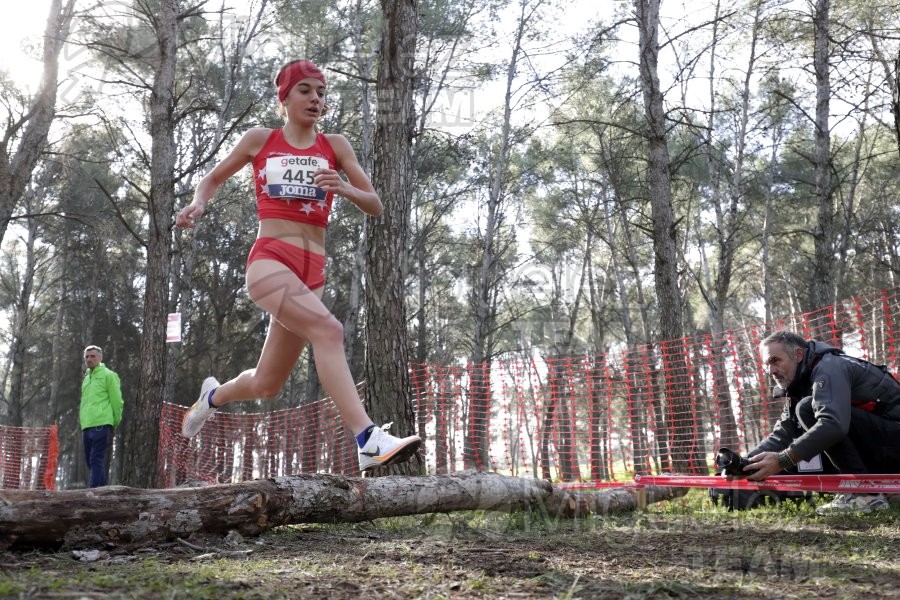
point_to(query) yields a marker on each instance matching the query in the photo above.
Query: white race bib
(292, 177)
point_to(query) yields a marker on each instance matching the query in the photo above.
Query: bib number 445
(294, 177)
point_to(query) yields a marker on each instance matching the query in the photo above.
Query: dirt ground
(679, 550)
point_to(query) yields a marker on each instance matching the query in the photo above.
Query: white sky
(22, 22)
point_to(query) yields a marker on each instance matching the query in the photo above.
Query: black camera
(731, 463)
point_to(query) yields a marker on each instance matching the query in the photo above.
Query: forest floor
(686, 548)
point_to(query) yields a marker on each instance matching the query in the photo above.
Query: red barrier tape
(860, 484)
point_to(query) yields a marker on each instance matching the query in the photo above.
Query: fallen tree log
(575, 504)
(119, 514)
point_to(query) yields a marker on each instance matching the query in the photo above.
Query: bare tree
(228, 115)
(895, 98)
(668, 292)
(476, 454)
(21, 317)
(141, 428)
(25, 136)
(717, 290)
(364, 62)
(776, 105)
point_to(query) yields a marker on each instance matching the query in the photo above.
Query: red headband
(294, 73)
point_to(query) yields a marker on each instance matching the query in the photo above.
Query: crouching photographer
(843, 408)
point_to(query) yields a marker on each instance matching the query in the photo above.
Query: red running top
(283, 176)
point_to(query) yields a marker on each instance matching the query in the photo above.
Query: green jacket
(101, 398)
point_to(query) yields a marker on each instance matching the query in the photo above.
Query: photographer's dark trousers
(96, 442)
(872, 445)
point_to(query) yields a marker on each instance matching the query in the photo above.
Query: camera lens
(731, 462)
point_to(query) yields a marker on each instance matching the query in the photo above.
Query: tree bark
(21, 324)
(118, 514)
(822, 289)
(558, 419)
(388, 396)
(637, 401)
(895, 98)
(728, 228)
(141, 419)
(665, 271)
(364, 60)
(575, 504)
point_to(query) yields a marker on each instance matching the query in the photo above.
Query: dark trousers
(872, 444)
(96, 442)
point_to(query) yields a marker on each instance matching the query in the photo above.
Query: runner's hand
(189, 215)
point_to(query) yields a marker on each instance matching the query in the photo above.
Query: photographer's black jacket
(836, 382)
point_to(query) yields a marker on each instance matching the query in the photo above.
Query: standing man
(101, 412)
(844, 407)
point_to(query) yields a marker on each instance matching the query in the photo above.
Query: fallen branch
(119, 515)
(575, 504)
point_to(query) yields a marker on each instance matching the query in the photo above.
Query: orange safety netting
(236, 447)
(649, 408)
(28, 457)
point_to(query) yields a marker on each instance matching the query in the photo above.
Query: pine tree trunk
(895, 99)
(364, 65)
(668, 294)
(822, 284)
(20, 328)
(476, 453)
(388, 396)
(141, 418)
(728, 435)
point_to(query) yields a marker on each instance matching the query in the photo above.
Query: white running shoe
(854, 503)
(201, 411)
(383, 449)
